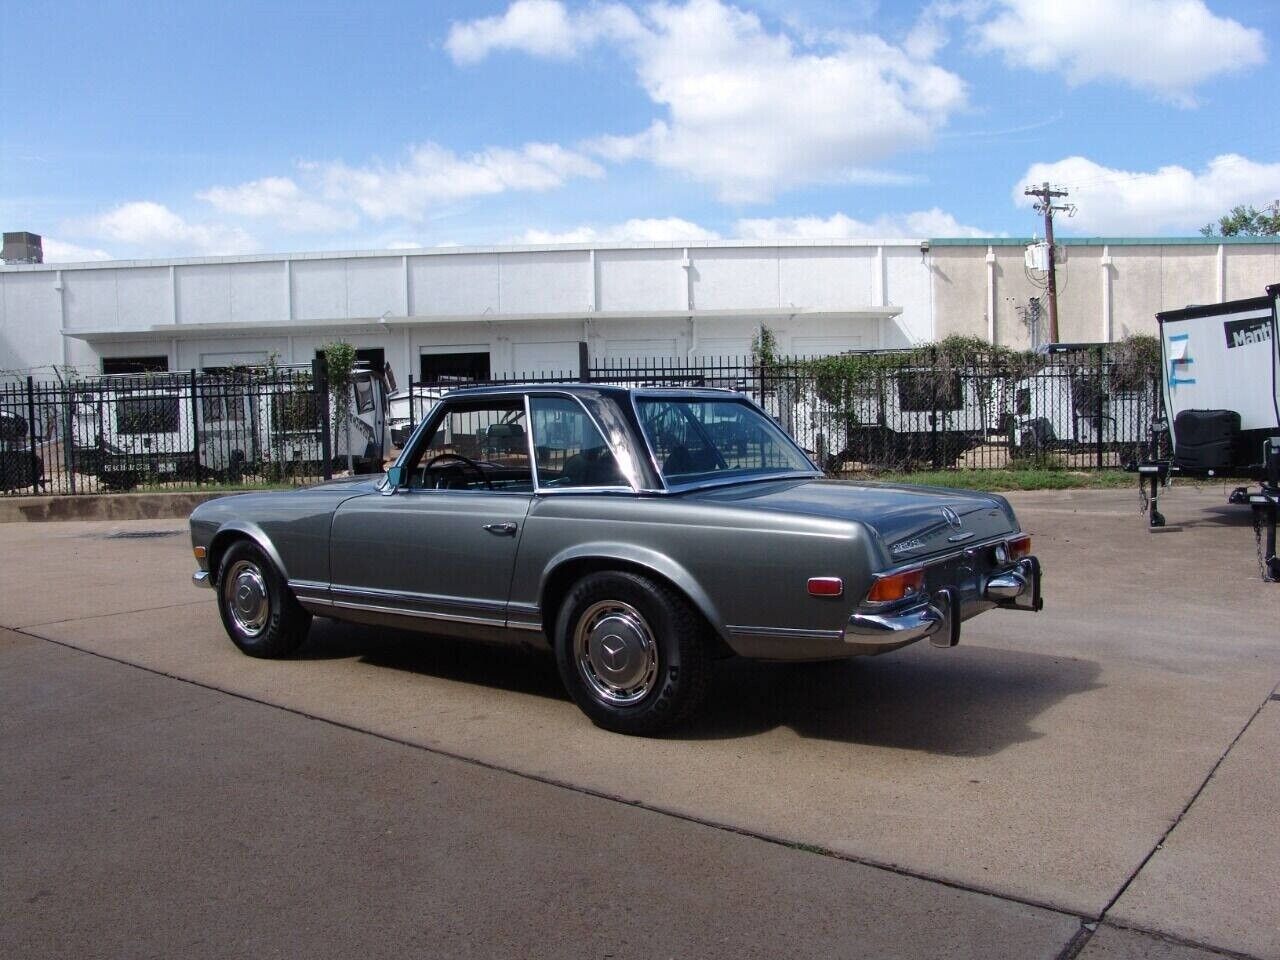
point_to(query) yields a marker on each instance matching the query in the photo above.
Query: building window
(375, 358)
(463, 367)
(135, 364)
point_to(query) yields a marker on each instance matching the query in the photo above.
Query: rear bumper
(938, 618)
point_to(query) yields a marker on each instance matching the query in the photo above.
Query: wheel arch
(236, 530)
(568, 568)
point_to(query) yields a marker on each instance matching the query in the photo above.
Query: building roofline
(1103, 241)
(510, 248)
(895, 242)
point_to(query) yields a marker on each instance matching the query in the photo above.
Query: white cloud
(1165, 47)
(157, 230)
(432, 175)
(543, 28)
(281, 200)
(746, 110)
(637, 230)
(55, 251)
(1172, 198)
(921, 223)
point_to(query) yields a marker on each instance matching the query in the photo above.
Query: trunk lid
(913, 523)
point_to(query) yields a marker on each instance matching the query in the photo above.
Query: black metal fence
(164, 431)
(907, 411)
(866, 412)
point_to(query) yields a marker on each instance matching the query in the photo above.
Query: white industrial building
(524, 309)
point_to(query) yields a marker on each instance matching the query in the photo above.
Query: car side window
(479, 446)
(568, 449)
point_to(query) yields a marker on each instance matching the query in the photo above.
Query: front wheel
(259, 611)
(632, 652)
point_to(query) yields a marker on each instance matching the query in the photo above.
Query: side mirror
(395, 476)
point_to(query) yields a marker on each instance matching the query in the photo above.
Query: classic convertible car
(637, 533)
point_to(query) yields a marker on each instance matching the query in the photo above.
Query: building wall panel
(203, 292)
(735, 278)
(143, 297)
(552, 282)
(453, 285)
(642, 280)
(258, 294)
(375, 287)
(319, 289)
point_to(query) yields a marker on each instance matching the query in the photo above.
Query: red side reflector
(896, 586)
(825, 586)
(1020, 546)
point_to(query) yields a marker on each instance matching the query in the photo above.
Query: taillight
(896, 586)
(826, 587)
(1020, 546)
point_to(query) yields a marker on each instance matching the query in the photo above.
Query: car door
(442, 547)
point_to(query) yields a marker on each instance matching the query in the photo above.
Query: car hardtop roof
(607, 389)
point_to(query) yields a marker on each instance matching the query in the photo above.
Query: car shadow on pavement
(971, 701)
(491, 665)
(974, 701)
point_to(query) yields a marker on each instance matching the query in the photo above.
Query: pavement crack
(1183, 941)
(1077, 943)
(1160, 841)
(98, 616)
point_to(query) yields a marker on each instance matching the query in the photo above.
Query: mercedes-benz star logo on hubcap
(613, 658)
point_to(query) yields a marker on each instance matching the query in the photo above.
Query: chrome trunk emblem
(951, 517)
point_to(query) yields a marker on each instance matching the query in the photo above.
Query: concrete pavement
(1042, 761)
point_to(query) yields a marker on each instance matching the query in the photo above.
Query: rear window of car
(704, 439)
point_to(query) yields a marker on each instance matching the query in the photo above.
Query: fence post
(31, 430)
(1099, 401)
(321, 380)
(66, 404)
(195, 424)
(933, 414)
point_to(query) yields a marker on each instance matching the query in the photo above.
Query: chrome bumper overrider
(201, 578)
(938, 618)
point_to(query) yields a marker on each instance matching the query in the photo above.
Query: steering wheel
(461, 459)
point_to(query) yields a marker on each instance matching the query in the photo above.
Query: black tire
(270, 624)
(674, 682)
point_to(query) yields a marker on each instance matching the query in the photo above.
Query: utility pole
(1045, 195)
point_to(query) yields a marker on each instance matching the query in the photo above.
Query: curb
(119, 506)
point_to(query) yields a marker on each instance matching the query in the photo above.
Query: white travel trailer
(409, 407)
(1075, 405)
(291, 425)
(129, 427)
(894, 418)
(1221, 393)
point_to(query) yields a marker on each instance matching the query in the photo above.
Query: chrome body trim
(418, 614)
(201, 579)
(875, 632)
(1007, 586)
(781, 633)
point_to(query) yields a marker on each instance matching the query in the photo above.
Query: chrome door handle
(507, 529)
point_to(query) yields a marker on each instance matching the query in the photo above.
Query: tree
(1247, 221)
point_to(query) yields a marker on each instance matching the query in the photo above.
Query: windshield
(701, 439)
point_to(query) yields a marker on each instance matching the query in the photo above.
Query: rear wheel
(632, 652)
(259, 611)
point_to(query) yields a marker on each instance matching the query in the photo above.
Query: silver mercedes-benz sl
(637, 533)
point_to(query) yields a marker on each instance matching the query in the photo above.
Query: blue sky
(174, 129)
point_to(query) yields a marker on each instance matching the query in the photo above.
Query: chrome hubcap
(246, 597)
(616, 652)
